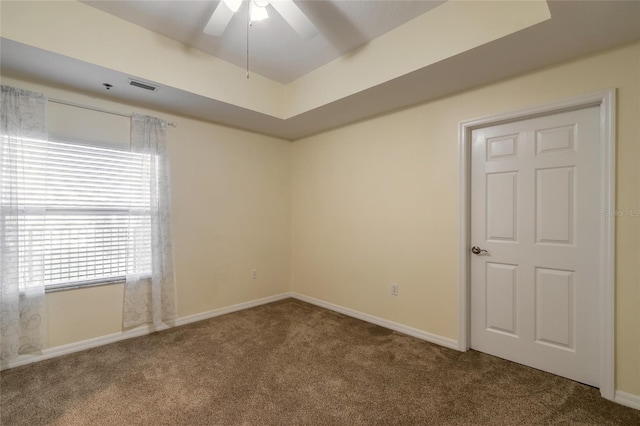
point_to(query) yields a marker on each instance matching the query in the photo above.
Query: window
(83, 210)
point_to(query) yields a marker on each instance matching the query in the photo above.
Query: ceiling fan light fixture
(225, 10)
(233, 5)
(256, 12)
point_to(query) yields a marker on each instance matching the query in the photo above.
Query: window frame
(97, 282)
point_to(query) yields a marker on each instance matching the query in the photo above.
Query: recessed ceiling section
(78, 31)
(276, 51)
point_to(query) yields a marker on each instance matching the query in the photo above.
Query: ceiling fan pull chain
(248, 25)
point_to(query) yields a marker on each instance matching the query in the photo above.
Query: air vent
(143, 85)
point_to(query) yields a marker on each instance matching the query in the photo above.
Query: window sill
(83, 284)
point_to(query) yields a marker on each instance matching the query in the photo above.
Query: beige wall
(377, 202)
(230, 214)
(363, 206)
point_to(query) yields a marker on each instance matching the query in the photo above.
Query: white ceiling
(576, 28)
(276, 50)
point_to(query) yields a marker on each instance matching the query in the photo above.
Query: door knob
(477, 250)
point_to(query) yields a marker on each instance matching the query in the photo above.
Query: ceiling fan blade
(295, 17)
(219, 20)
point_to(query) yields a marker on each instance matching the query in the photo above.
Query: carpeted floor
(292, 363)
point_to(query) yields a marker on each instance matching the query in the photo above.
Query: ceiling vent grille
(143, 85)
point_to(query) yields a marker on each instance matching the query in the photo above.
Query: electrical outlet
(254, 274)
(394, 289)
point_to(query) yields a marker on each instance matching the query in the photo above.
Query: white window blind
(83, 210)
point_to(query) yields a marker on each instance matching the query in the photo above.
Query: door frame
(606, 101)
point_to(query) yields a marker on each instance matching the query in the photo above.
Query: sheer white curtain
(149, 295)
(22, 329)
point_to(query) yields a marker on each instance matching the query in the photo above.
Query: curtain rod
(73, 104)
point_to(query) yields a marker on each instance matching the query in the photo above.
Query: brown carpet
(292, 363)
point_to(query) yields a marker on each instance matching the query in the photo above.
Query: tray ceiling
(276, 51)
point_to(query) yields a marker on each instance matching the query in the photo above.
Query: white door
(535, 209)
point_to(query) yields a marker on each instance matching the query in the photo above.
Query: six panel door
(534, 208)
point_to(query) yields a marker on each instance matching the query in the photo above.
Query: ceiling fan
(258, 11)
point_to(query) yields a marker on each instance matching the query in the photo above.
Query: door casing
(606, 101)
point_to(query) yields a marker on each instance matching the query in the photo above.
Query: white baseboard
(229, 309)
(405, 329)
(628, 399)
(146, 329)
(78, 346)
(136, 332)
(623, 398)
